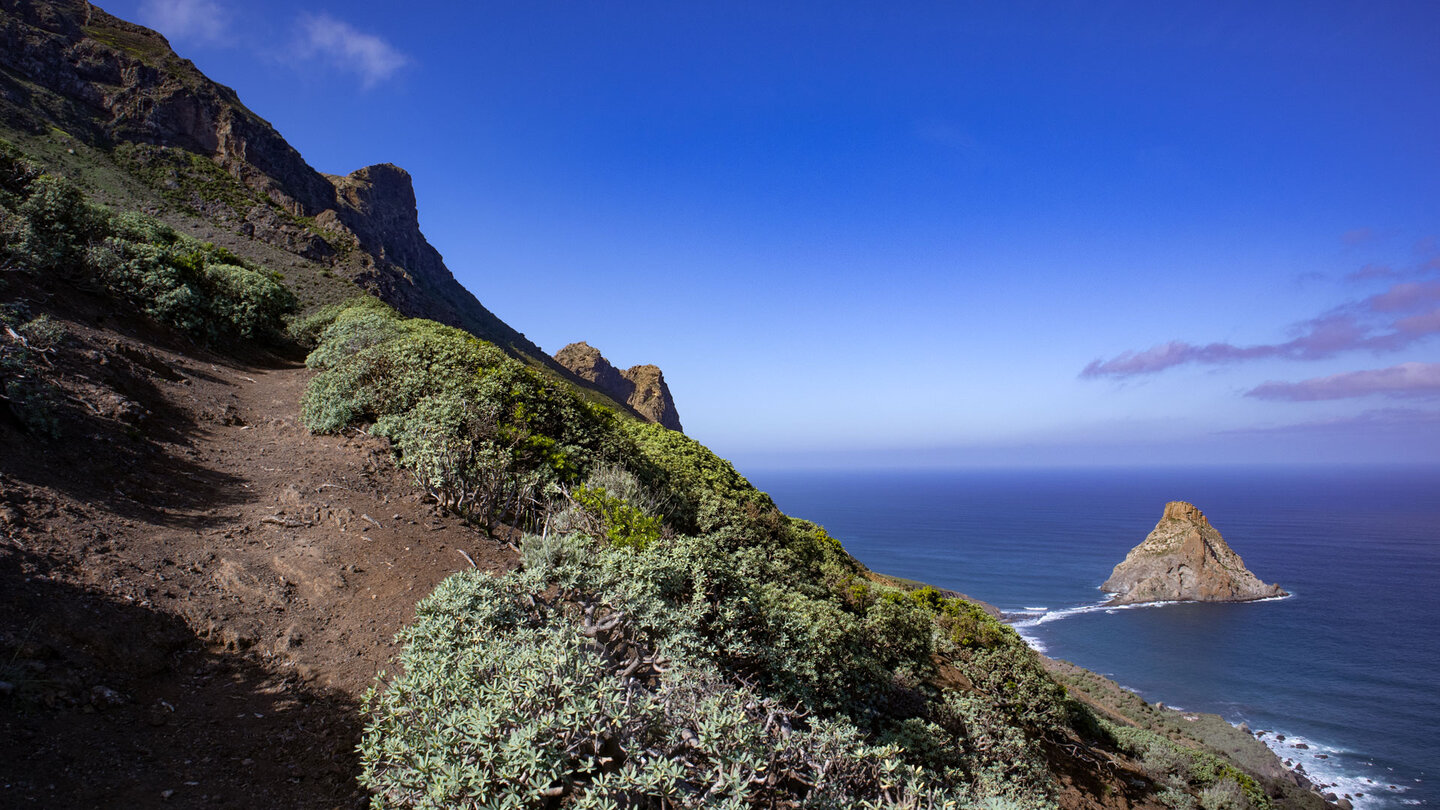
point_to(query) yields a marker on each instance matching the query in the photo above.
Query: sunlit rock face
(1185, 560)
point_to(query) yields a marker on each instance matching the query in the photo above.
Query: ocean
(1348, 665)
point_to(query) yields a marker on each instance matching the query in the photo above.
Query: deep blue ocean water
(1349, 664)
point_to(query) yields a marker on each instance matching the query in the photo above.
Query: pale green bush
(509, 700)
(1195, 774)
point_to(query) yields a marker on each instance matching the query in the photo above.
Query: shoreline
(1316, 766)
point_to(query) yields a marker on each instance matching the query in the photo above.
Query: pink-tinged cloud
(1405, 297)
(1404, 380)
(1358, 236)
(1371, 272)
(1389, 321)
(1424, 324)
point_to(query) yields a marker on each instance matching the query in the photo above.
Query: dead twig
(289, 524)
(467, 558)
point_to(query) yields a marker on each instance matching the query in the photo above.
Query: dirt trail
(194, 591)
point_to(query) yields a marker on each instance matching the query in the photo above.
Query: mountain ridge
(121, 88)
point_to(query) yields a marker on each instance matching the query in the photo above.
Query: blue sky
(916, 233)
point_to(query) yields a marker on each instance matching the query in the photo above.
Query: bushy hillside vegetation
(48, 227)
(672, 597)
(54, 238)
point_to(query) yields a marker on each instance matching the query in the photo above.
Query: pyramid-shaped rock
(1184, 560)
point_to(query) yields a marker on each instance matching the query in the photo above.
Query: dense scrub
(49, 229)
(1189, 777)
(646, 535)
(54, 238)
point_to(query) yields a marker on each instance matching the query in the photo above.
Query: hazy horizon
(958, 234)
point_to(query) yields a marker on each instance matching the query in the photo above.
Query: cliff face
(102, 79)
(643, 388)
(1184, 559)
(68, 65)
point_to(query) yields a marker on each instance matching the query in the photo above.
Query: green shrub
(486, 435)
(706, 572)
(24, 390)
(461, 452)
(307, 330)
(615, 519)
(1225, 794)
(1198, 775)
(708, 493)
(44, 332)
(55, 226)
(49, 228)
(511, 701)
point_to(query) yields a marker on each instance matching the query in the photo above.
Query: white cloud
(186, 19)
(349, 49)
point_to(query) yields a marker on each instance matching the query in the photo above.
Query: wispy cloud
(1374, 272)
(347, 48)
(1394, 319)
(1404, 380)
(186, 19)
(1357, 236)
(1410, 422)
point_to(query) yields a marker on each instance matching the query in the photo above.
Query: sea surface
(1348, 665)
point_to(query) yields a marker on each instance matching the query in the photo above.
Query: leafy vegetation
(1185, 772)
(186, 179)
(509, 699)
(47, 227)
(648, 528)
(24, 389)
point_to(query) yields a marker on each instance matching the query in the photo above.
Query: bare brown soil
(194, 591)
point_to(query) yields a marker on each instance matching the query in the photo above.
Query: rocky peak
(642, 388)
(69, 65)
(382, 195)
(1180, 510)
(1184, 559)
(589, 364)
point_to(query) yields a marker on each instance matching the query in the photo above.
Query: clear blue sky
(915, 233)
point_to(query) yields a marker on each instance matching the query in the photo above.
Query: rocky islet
(1184, 559)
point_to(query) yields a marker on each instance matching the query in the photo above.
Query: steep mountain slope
(74, 77)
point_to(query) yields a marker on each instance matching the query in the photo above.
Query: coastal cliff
(643, 388)
(115, 92)
(1184, 559)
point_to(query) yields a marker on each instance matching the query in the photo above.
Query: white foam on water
(1024, 626)
(1046, 616)
(1334, 773)
(1329, 774)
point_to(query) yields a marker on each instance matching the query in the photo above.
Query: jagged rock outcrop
(68, 65)
(643, 388)
(1184, 560)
